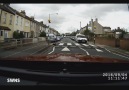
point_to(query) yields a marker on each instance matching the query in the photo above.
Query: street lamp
(49, 20)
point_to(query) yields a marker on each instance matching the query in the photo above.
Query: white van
(80, 38)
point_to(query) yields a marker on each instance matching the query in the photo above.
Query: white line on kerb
(107, 50)
(116, 54)
(52, 50)
(84, 50)
(20, 51)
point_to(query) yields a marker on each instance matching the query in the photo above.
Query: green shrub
(42, 34)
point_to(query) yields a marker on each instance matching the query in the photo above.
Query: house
(95, 27)
(12, 20)
(106, 30)
(6, 21)
(19, 22)
(32, 27)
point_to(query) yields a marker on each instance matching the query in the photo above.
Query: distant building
(95, 27)
(106, 30)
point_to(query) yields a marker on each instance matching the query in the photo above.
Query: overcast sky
(70, 15)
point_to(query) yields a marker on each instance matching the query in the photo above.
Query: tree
(21, 35)
(88, 32)
(16, 35)
(42, 34)
(73, 33)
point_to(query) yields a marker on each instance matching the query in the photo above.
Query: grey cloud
(100, 10)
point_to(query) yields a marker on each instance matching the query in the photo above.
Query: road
(65, 46)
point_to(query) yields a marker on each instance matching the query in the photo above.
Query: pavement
(29, 49)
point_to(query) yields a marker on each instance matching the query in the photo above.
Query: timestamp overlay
(115, 76)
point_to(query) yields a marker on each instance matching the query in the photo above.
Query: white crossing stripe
(99, 50)
(69, 44)
(91, 45)
(85, 45)
(61, 44)
(77, 44)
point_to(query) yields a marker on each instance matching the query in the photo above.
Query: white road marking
(91, 45)
(52, 50)
(107, 50)
(84, 50)
(117, 54)
(121, 55)
(61, 44)
(77, 44)
(20, 51)
(69, 44)
(98, 50)
(65, 49)
(85, 45)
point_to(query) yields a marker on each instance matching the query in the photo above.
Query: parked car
(52, 38)
(58, 38)
(81, 38)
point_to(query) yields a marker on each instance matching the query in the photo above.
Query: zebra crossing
(75, 44)
(78, 45)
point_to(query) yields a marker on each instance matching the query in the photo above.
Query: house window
(21, 21)
(17, 21)
(4, 18)
(1, 33)
(6, 34)
(27, 23)
(11, 18)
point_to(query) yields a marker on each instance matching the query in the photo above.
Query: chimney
(32, 17)
(23, 12)
(41, 22)
(91, 20)
(96, 19)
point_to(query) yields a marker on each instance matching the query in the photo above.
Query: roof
(7, 9)
(4, 28)
(106, 28)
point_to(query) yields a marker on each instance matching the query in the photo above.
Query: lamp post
(49, 21)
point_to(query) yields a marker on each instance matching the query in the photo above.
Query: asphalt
(83, 48)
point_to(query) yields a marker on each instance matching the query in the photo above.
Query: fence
(14, 43)
(121, 43)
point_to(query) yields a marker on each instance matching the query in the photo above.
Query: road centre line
(84, 50)
(52, 50)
